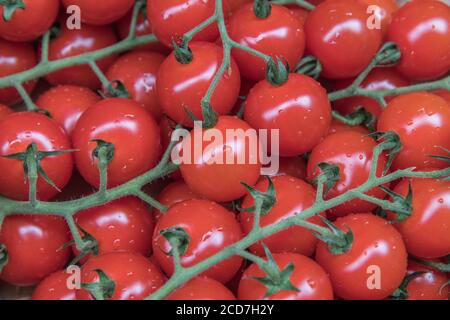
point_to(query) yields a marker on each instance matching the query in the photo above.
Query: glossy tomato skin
(426, 231)
(422, 120)
(382, 13)
(375, 243)
(54, 287)
(15, 58)
(67, 103)
(171, 19)
(202, 288)
(299, 108)
(377, 79)
(210, 227)
(137, 71)
(100, 12)
(352, 152)
(333, 30)
(175, 192)
(34, 245)
(421, 29)
(207, 170)
(279, 35)
(71, 43)
(293, 196)
(18, 131)
(4, 111)
(431, 285)
(308, 277)
(182, 86)
(125, 224)
(31, 22)
(135, 277)
(118, 121)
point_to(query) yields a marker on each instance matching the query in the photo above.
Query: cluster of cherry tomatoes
(131, 249)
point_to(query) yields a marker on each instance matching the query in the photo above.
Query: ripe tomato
(31, 22)
(125, 224)
(429, 286)
(100, 12)
(216, 169)
(292, 197)
(171, 19)
(299, 108)
(421, 29)
(15, 58)
(67, 103)
(34, 245)
(352, 152)
(54, 287)
(377, 79)
(4, 111)
(173, 193)
(137, 71)
(69, 43)
(135, 277)
(426, 231)
(422, 120)
(210, 227)
(376, 263)
(202, 288)
(279, 35)
(118, 121)
(293, 166)
(308, 277)
(333, 30)
(18, 131)
(182, 86)
(382, 12)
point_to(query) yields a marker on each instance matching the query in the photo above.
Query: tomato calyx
(439, 266)
(277, 72)
(178, 238)
(276, 280)
(329, 176)
(402, 205)
(309, 66)
(401, 293)
(388, 55)
(102, 289)
(262, 8)
(267, 199)
(3, 256)
(390, 142)
(182, 52)
(10, 6)
(338, 241)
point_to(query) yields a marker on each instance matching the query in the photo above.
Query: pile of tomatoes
(209, 202)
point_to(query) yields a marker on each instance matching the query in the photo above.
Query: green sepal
(4, 257)
(116, 89)
(401, 293)
(182, 52)
(110, 150)
(403, 204)
(262, 8)
(339, 242)
(10, 6)
(390, 141)
(309, 66)
(102, 289)
(388, 55)
(329, 174)
(268, 198)
(277, 72)
(177, 236)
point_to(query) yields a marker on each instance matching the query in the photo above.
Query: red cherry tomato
(209, 173)
(137, 71)
(100, 12)
(171, 19)
(422, 120)
(432, 285)
(15, 58)
(4, 111)
(376, 263)
(182, 86)
(377, 79)
(30, 22)
(292, 197)
(134, 276)
(308, 277)
(279, 35)
(210, 227)
(125, 224)
(54, 287)
(352, 152)
(381, 11)
(18, 131)
(67, 103)
(421, 29)
(69, 43)
(117, 121)
(173, 193)
(34, 246)
(202, 288)
(337, 33)
(299, 108)
(293, 166)
(426, 231)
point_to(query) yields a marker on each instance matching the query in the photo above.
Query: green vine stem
(67, 209)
